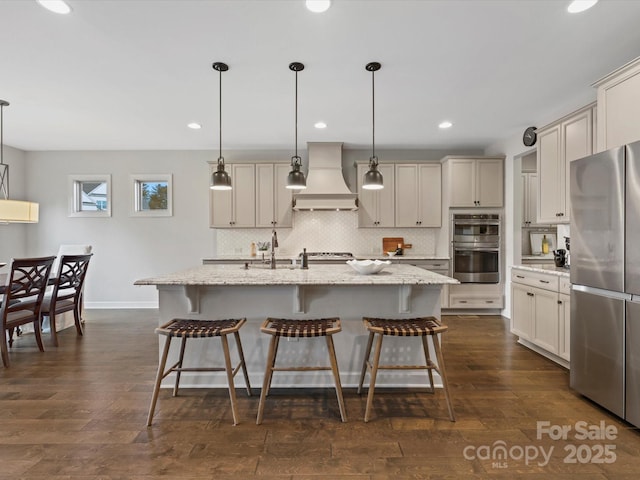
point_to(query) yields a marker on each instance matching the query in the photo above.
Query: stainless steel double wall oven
(475, 247)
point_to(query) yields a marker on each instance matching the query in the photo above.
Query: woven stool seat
(404, 327)
(284, 327)
(200, 328)
(291, 328)
(188, 328)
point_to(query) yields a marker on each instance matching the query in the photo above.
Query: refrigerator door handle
(604, 293)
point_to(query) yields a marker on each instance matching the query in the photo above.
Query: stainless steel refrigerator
(605, 277)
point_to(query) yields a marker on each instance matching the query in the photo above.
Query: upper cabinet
(375, 207)
(273, 198)
(259, 197)
(474, 181)
(619, 107)
(558, 145)
(418, 201)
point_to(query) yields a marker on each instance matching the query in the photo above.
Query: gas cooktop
(328, 255)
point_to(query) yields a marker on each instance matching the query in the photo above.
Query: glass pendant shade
(373, 177)
(220, 180)
(296, 179)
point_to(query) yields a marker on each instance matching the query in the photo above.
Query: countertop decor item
(368, 267)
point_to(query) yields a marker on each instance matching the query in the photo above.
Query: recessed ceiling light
(445, 124)
(194, 126)
(318, 6)
(56, 6)
(320, 125)
(578, 6)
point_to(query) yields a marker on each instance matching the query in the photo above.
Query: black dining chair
(22, 299)
(66, 296)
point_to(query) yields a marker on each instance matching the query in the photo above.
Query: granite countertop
(289, 258)
(545, 268)
(395, 274)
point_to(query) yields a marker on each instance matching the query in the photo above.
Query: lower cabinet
(540, 313)
(437, 266)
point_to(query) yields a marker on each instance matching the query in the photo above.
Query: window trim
(136, 199)
(75, 195)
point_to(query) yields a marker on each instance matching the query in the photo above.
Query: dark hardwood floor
(78, 412)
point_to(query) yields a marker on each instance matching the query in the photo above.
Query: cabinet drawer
(469, 301)
(565, 286)
(534, 279)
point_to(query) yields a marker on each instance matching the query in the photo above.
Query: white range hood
(326, 188)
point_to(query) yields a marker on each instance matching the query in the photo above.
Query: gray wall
(128, 248)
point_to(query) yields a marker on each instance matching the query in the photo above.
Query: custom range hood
(326, 188)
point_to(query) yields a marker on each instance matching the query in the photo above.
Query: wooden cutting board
(390, 244)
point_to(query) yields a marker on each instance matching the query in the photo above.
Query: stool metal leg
(336, 376)
(178, 367)
(443, 375)
(242, 363)
(159, 377)
(429, 363)
(229, 371)
(367, 354)
(374, 373)
(271, 358)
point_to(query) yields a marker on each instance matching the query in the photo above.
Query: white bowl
(368, 267)
(391, 254)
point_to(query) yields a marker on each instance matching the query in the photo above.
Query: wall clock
(529, 137)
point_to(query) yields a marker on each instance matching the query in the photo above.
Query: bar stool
(409, 327)
(185, 329)
(281, 327)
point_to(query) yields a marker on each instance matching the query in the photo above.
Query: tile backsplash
(326, 231)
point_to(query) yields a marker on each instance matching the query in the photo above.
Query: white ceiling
(131, 74)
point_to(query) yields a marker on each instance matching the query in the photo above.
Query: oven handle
(476, 249)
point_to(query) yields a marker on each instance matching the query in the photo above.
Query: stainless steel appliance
(475, 247)
(605, 273)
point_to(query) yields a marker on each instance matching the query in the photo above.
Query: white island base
(401, 291)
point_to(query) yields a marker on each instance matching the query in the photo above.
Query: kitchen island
(257, 292)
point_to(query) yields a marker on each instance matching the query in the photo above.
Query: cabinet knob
(530, 294)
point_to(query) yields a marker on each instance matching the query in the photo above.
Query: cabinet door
(545, 323)
(244, 195)
(265, 191)
(282, 196)
(521, 311)
(376, 207)
(550, 200)
(577, 142)
(564, 326)
(489, 183)
(220, 208)
(407, 194)
(462, 183)
(430, 198)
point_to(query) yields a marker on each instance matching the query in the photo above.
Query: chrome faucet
(274, 245)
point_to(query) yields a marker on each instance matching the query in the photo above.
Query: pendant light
(296, 180)
(373, 178)
(220, 180)
(12, 211)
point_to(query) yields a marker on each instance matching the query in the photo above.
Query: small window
(90, 195)
(152, 195)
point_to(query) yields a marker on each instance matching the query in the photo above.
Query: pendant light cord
(296, 134)
(220, 114)
(373, 113)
